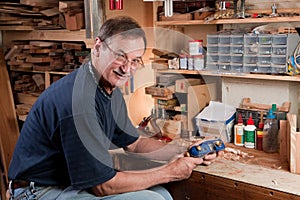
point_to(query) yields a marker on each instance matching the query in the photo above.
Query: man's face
(118, 59)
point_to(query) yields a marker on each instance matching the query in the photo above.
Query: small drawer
(279, 39)
(265, 39)
(250, 59)
(212, 39)
(224, 67)
(236, 67)
(224, 58)
(250, 39)
(212, 48)
(251, 49)
(279, 49)
(280, 59)
(265, 49)
(264, 59)
(212, 57)
(250, 68)
(264, 68)
(236, 58)
(277, 69)
(236, 49)
(237, 39)
(212, 66)
(224, 49)
(224, 39)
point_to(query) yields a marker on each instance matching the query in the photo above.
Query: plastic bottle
(239, 131)
(249, 132)
(259, 133)
(270, 135)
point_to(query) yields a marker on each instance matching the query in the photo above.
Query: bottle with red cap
(249, 132)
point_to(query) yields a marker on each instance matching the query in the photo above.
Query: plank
(8, 121)
(294, 144)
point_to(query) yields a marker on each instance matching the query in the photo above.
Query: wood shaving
(235, 154)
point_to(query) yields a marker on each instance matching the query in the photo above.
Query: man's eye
(136, 60)
(121, 55)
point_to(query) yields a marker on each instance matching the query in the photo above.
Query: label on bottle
(249, 138)
(239, 135)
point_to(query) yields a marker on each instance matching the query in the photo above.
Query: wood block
(283, 140)
(294, 144)
(202, 15)
(74, 22)
(177, 17)
(63, 5)
(25, 98)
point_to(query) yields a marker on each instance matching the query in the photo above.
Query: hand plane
(205, 148)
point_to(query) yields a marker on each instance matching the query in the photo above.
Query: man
(62, 152)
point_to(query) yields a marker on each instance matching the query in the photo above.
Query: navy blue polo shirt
(68, 132)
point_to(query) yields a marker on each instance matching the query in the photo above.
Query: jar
(199, 62)
(183, 62)
(195, 47)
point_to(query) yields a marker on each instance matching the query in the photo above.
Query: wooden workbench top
(262, 176)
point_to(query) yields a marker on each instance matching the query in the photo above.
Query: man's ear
(97, 46)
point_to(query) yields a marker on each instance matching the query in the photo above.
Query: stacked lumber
(38, 14)
(46, 55)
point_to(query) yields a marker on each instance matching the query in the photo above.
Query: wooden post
(8, 122)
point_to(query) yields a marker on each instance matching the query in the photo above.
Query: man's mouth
(120, 74)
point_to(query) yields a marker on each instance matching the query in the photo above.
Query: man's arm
(154, 149)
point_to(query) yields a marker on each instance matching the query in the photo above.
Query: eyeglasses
(121, 58)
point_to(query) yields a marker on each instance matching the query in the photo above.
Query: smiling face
(106, 60)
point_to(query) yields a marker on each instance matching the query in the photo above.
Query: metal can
(190, 62)
(199, 62)
(196, 47)
(183, 62)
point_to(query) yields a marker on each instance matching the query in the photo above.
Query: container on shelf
(236, 67)
(264, 59)
(264, 68)
(224, 67)
(212, 66)
(224, 58)
(224, 49)
(212, 57)
(250, 68)
(199, 62)
(250, 39)
(236, 58)
(251, 49)
(278, 68)
(265, 49)
(265, 39)
(278, 59)
(279, 39)
(250, 59)
(279, 49)
(237, 39)
(236, 49)
(212, 39)
(196, 47)
(224, 39)
(212, 48)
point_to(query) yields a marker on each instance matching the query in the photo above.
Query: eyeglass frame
(125, 58)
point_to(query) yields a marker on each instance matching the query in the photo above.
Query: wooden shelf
(55, 35)
(42, 72)
(230, 21)
(241, 75)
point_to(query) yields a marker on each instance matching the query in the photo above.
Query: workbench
(263, 176)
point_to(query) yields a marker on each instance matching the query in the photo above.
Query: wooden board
(294, 147)
(8, 121)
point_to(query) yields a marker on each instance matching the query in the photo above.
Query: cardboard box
(216, 120)
(181, 85)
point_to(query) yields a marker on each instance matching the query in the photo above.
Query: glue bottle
(239, 131)
(249, 132)
(259, 133)
(270, 135)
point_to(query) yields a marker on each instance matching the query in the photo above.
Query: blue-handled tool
(205, 148)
